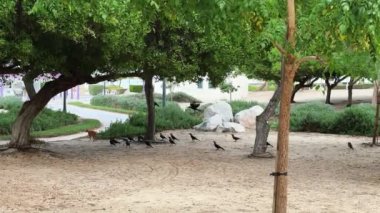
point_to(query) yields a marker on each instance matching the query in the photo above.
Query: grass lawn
(65, 130)
(109, 109)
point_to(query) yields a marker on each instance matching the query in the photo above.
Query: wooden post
(287, 77)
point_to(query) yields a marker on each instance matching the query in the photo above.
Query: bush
(169, 117)
(312, 117)
(10, 102)
(132, 102)
(95, 89)
(47, 119)
(239, 105)
(181, 97)
(355, 120)
(136, 88)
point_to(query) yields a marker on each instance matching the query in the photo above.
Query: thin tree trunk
(295, 90)
(328, 95)
(149, 91)
(262, 125)
(30, 109)
(287, 78)
(64, 109)
(350, 88)
(376, 126)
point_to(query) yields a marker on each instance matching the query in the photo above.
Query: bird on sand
(194, 106)
(350, 145)
(217, 146)
(162, 136)
(173, 137)
(193, 138)
(171, 141)
(268, 144)
(235, 138)
(127, 143)
(113, 142)
(130, 138)
(140, 138)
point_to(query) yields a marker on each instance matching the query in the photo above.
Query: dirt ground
(324, 176)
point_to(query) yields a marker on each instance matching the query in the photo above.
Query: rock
(233, 127)
(247, 117)
(222, 108)
(210, 124)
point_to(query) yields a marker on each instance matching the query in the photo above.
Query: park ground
(83, 176)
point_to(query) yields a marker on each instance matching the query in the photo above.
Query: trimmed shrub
(312, 117)
(355, 120)
(47, 119)
(136, 88)
(131, 102)
(169, 117)
(10, 102)
(181, 97)
(239, 105)
(95, 89)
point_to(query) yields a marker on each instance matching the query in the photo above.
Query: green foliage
(47, 119)
(319, 117)
(181, 97)
(312, 117)
(169, 117)
(10, 102)
(116, 89)
(239, 105)
(136, 88)
(254, 88)
(355, 120)
(227, 87)
(123, 102)
(95, 89)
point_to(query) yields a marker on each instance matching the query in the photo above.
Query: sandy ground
(324, 176)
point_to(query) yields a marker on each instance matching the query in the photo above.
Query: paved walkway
(105, 118)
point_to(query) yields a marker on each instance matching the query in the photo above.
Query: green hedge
(169, 117)
(319, 117)
(181, 97)
(10, 102)
(239, 105)
(131, 102)
(95, 89)
(136, 88)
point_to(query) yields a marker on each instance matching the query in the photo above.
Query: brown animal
(91, 134)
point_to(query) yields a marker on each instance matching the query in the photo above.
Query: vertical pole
(1, 89)
(78, 91)
(64, 101)
(164, 92)
(104, 87)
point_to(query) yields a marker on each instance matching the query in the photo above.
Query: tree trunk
(29, 87)
(328, 94)
(350, 88)
(64, 109)
(149, 91)
(295, 90)
(287, 78)
(262, 126)
(30, 109)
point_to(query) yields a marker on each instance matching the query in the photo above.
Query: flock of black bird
(171, 138)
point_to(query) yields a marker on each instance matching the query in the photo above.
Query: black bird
(156, 104)
(171, 140)
(218, 147)
(130, 138)
(148, 143)
(162, 136)
(235, 138)
(113, 142)
(127, 143)
(193, 138)
(173, 137)
(194, 106)
(268, 144)
(140, 138)
(350, 145)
